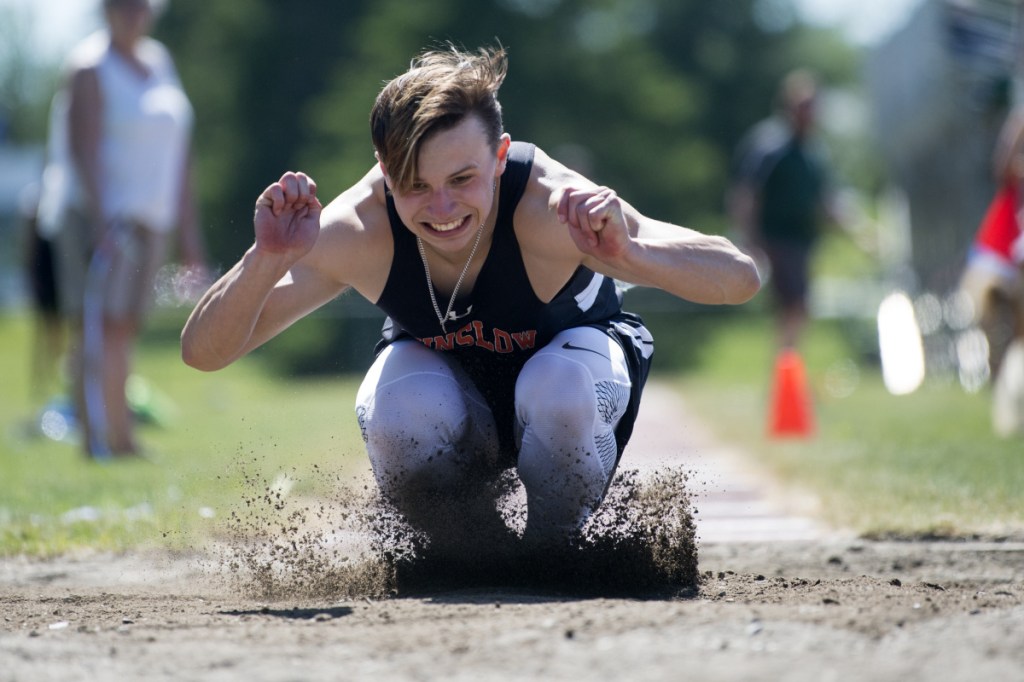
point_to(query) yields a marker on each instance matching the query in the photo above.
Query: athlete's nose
(441, 203)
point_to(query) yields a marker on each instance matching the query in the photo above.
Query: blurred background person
(115, 187)
(41, 279)
(992, 276)
(780, 198)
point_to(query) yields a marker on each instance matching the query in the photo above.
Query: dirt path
(736, 500)
(781, 599)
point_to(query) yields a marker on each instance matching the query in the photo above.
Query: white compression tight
(427, 428)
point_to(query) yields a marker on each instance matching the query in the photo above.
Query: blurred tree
(250, 69)
(26, 86)
(648, 96)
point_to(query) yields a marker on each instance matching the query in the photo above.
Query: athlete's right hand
(287, 219)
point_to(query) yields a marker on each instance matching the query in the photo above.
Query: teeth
(445, 227)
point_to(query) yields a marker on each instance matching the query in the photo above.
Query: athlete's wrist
(262, 261)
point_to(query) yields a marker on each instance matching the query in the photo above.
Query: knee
(553, 389)
(409, 435)
(407, 413)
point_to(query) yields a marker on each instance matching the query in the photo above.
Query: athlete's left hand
(596, 222)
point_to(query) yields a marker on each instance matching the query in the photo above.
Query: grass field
(217, 430)
(926, 463)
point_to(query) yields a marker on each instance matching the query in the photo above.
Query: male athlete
(505, 344)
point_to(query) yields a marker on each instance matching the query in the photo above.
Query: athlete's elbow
(193, 356)
(196, 360)
(745, 281)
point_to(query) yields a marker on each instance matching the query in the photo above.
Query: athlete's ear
(503, 145)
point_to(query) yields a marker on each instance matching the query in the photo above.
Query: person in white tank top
(115, 187)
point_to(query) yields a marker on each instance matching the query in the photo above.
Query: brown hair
(440, 89)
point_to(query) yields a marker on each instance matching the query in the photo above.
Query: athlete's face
(454, 189)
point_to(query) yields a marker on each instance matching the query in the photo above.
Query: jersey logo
(452, 316)
(474, 334)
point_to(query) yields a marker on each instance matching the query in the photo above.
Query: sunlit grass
(217, 429)
(883, 465)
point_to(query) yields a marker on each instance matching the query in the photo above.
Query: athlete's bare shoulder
(359, 209)
(355, 244)
(549, 253)
(536, 216)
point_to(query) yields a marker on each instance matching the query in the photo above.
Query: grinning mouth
(446, 227)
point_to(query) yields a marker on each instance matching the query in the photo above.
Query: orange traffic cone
(791, 409)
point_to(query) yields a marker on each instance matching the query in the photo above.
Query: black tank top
(502, 322)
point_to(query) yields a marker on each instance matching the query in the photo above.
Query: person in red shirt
(993, 277)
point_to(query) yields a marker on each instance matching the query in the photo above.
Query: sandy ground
(779, 598)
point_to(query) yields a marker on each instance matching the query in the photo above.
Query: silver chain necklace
(448, 315)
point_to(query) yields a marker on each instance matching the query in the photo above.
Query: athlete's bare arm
(303, 256)
(567, 220)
